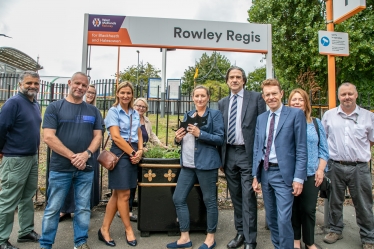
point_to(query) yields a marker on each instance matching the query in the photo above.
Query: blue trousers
(278, 200)
(207, 180)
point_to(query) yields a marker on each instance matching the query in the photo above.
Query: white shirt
(349, 136)
(239, 139)
(188, 152)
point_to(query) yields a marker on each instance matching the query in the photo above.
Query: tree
(295, 36)
(295, 29)
(207, 66)
(146, 71)
(255, 79)
(217, 89)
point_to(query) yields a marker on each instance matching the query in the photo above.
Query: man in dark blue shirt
(20, 121)
(72, 129)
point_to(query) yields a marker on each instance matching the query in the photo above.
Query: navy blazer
(290, 144)
(211, 136)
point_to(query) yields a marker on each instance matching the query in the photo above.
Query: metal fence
(105, 98)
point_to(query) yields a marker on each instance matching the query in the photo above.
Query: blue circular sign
(325, 41)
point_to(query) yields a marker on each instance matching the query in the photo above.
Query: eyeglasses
(93, 93)
(141, 106)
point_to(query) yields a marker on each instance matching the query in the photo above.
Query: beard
(28, 92)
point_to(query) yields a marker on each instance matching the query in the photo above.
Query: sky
(53, 30)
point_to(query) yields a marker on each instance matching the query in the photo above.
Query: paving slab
(225, 232)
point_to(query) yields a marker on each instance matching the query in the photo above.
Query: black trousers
(304, 212)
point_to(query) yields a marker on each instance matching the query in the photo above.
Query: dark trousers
(304, 212)
(358, 180)
(186, 180)
(239, 178)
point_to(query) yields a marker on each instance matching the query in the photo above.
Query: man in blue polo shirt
(72, 129)
(20, 121)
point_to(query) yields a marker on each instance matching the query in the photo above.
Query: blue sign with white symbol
(325, 41)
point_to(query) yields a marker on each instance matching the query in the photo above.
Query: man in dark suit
(279, 162)
(240, 111)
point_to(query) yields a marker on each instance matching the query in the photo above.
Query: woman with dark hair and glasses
(200, 161)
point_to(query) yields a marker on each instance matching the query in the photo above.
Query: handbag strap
(106, 142)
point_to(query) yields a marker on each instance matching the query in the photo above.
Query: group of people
(282, 152)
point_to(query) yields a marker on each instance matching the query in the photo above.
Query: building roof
(18, 59)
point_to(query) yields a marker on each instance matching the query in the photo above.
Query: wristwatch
(89, 153)
(133, 153)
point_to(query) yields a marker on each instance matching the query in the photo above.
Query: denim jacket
(211, 135)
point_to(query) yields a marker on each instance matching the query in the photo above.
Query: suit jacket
(253, 105)
(211, 135)
(290, 144)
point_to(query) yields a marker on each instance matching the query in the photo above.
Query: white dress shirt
(349, 136)
(273, 155)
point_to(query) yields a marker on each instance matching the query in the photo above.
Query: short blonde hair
(142, 99)
(271, 82)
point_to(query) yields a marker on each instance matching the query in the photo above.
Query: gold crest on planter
(170, 175)
(149, 175)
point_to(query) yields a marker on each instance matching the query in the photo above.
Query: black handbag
(325, 188)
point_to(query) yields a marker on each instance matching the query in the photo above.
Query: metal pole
(330, 58)
(163, 82)
(269, 56)
(137, 71)
(85, 41)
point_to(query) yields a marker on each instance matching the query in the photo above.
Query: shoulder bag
(108, 159)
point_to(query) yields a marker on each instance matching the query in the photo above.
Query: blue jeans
(59, 185)
(207, 180)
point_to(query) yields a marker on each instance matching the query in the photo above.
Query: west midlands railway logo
(96, 22)
(325, 41)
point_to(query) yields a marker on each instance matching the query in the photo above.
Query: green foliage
(255, 79)
(159, 152)
(295, 26)
(212, 68)
(295, 36)
(146, 71)
(217, 89)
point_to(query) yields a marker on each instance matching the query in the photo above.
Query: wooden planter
(157, 182)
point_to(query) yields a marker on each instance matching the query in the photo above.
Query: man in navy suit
(240, 111)
(279, 161)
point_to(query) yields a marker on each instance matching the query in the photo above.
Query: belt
(236, 146)
(270, 164)
(348, 163)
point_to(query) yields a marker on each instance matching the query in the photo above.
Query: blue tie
(232, 121)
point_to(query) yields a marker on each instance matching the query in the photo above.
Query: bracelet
(140, 149)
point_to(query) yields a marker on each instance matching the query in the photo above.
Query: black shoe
(7, 245)
(249, 246)
(101, 238)
(131, 242)
(31, 237)
(134, 218)
(236, 242)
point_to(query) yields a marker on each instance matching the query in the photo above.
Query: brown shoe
(368, 246)
(332, 237)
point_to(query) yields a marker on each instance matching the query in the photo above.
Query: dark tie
(232, 121)
(270, 141)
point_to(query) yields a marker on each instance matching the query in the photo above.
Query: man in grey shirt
(350, 134)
